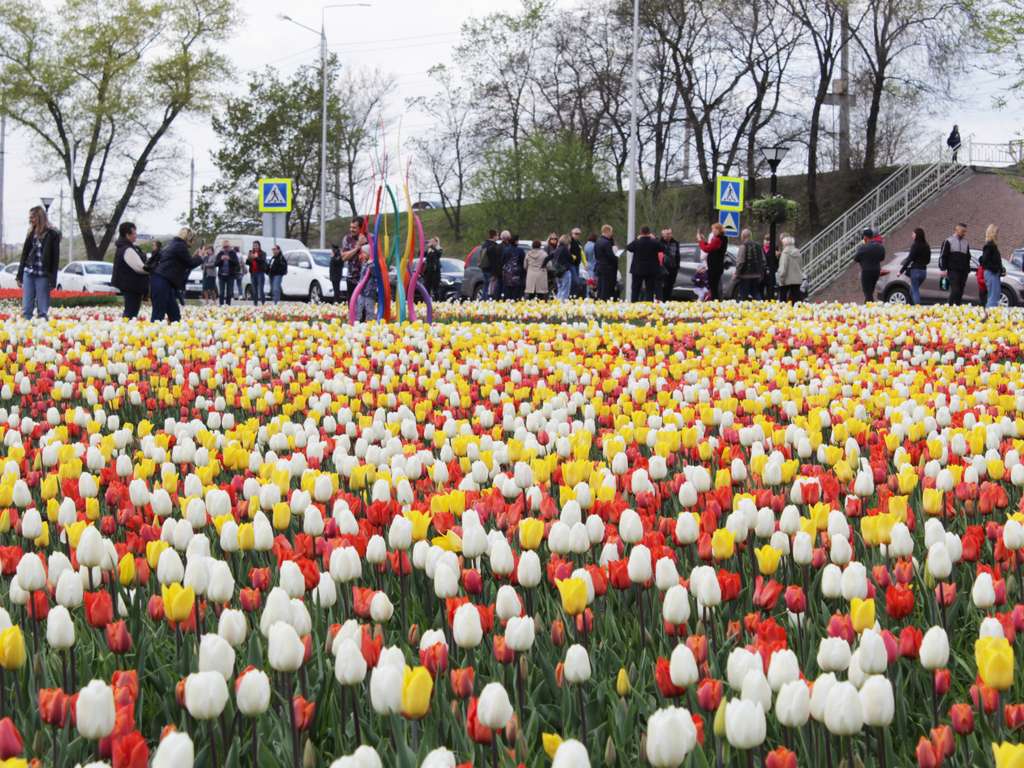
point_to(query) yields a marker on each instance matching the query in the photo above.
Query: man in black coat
(870, 254)
(955, 261)
(169, 276)
(646, 267)
(671, 264)
(130, 276)
(607, 264)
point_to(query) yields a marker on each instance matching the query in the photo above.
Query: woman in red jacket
(715, 249)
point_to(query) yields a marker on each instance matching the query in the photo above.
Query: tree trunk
(871, 133)
(813, 209)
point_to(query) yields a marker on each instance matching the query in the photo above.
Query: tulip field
(527, 535)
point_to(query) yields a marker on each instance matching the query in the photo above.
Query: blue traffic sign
(729, 193)
(731, 221)
(275, 195)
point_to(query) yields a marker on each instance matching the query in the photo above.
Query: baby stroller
(701, 283)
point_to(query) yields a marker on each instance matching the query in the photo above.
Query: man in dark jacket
(129, 276)
(606, 264)
(490, 265)
(646, 265)
(170, 275)
(228, 269)
(37, 270)
(749, 269)
(955, 261)
(577, 256)
(869, 254)
(670, 265)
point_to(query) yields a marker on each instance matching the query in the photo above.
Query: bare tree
(363, 95)
(450, 151)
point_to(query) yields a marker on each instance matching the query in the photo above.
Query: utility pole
(74, 213)
(3, 159)
(61, 212)
(191, 191)
(840, 95)
(634, 130)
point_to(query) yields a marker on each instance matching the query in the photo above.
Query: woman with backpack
(750, 270)
(512, 272)
(278, 269)
(562, 259)
(257, 264)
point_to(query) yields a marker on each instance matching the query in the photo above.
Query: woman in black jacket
(916, 264)
(991, 262)
(169, 276)
(37, 271)
(278, 269)
(130, 276)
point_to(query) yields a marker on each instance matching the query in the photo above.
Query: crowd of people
(511, 271)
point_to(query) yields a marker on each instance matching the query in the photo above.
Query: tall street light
(774, 156)
(323, 116)
(634, 130)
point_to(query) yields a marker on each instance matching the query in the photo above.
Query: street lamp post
(323, 114)
(774, 156)
(634, 130)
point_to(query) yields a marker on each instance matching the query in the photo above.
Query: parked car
(8, 277)
(895, 288)
(1017, 258)
(690, 261)
(308, 278)
(87, 277)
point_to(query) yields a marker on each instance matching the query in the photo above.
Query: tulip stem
(494, 751)
(942, 605)
(849, 751)
(583, 714)
(881, 748)
(935, 704)
(290, 686)
(750, 758)
(255, 743)
(213, 742)
(355, 716)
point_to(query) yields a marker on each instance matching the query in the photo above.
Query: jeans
(275, 287)
(992, 285)
(238, 287)
(644, 287)
(917, 278)
(564, 285)
(165, 302)
(957, 281)
(258, 293)
(35, 293)
(748, 288)
(225, 284)
(868, 281)
(132, 304)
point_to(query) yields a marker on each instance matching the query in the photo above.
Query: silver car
(894, 287)
(690, 262)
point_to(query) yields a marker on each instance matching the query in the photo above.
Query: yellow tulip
(932, 501)
(551, 742)
(417, 685)
(768, 558)
(282, 516)
(994, 657)
(14, 762)
(178, 601)
(420, 523)
(450, 542)
(43, 539)
(126, 570)
(622, 685)
(996, 469)
(574, 595)
(153, 550)
(531, 531)
(862, 613)
(723, 544)
(1008, 755)
(246, 537)
(12, 648)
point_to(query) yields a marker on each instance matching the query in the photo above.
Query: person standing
(169, 276)
(870, 254)
(771, 264)
(537, 272)
(490, 265)
(916, 264)
(790, 274)
(209, 273)
(257, 264)
(336, 271)
(240, 271)
(955, 261)
(576, 251)
(646, 265)
(512, 272)
(432, 268)
(991, 262)
(670, 264)
(561, 257)
(129, 275)
(278, 269)
(953, 142)
(37, 270)
(751, 268)
(351, 244)
(715, 248)
(366, 307)
(227, 270)
(606, 263)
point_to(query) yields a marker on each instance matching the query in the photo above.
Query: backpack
(485, 256)
(510, 273)
(754, 259)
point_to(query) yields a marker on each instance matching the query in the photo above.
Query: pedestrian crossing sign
(275, 195)
(729, 193)
(730, 220)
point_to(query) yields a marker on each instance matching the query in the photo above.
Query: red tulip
(709, 694)
(502, 653)
(1013, 715)
(698, 645)
(941, 681)
(250, 599)
(925, 753)
(962, 717)
(259, 578)
(53, 706)
(987, 698)
(663, 679)
(796, 600)
(780, 757)
(478, 732)
(99, 608)
(462, 682)
(943, 742)
(435, 658)
(303, 711)
(910, 642)
(557, 633)
(130, 751)
(899, 601)
(472, 582)
(11, 743)
(155, 608)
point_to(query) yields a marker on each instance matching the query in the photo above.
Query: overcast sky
(403, 37)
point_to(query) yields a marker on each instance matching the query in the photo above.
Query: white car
(308, 278)
(87, 277)
(8, 277)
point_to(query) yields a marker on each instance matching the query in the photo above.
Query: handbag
(943, 283)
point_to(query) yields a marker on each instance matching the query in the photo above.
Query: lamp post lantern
(774, 156)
